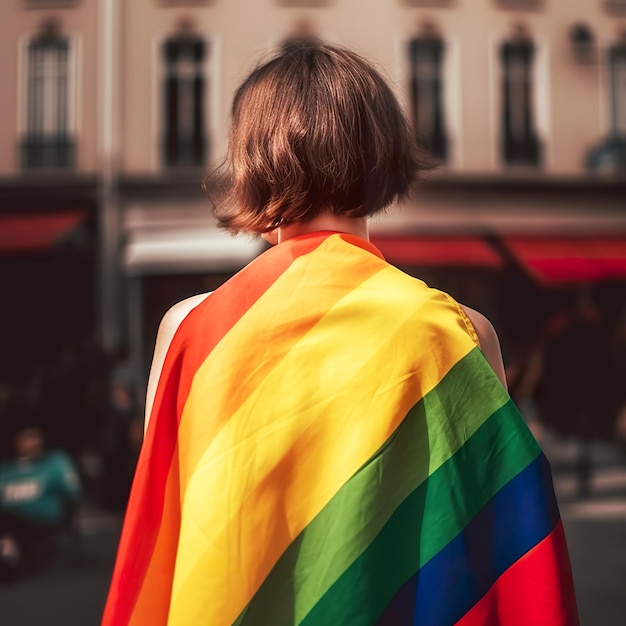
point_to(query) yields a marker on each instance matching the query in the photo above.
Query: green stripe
(432, 432)
(435, 513)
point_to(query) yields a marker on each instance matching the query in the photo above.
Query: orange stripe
(146, 504)
(154, 599)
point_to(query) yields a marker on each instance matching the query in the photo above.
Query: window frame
(24, 129)
(50, 4)
(617, 52)
(437, 86)
(532, 142)
(208, 71)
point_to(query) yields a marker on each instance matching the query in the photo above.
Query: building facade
(113, 111)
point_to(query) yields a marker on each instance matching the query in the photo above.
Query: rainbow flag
(328, 446)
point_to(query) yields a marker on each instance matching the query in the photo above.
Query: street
(595, 528)
(73, 593)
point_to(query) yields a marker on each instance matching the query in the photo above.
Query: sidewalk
(595, 527)
(73, 594)
(73, 591)
(607, 487)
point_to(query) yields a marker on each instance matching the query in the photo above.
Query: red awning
(29, 233)
(555, 260)
(438, 250)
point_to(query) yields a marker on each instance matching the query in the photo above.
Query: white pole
(109, 279)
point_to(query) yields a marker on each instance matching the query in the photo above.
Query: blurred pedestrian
(39, 494)
(124, 439)
(330, 441)
(62, 400)
(579, 393)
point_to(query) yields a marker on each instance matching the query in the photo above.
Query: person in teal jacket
(39, 493)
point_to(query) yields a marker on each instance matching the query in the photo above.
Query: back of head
(316, 129)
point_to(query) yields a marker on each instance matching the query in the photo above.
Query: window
(426, 53)
(49, 4)
(303, 3)
(430, 3)
(520, 4)
(616, 5)
(47, 141)
(519, 142)
(302, 32)
(184, 138)
(617, 72)
(181, 3)
(610, 154)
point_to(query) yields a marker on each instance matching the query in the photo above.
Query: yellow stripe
(291, 444)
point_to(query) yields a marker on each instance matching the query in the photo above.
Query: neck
(352, 225)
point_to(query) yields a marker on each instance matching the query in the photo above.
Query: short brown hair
(315, 129)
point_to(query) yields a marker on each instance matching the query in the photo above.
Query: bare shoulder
(167, 329)
(175, 315)
(488, 340)
(483, 327)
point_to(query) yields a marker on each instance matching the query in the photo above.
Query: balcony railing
(50, 4)
(525, 151)
(47, 153)
(186, 151)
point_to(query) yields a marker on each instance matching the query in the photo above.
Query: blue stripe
(516, 519)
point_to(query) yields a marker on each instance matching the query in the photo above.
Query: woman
(327, 443)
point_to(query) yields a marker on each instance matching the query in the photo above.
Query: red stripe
(146, 505)
(537, 589)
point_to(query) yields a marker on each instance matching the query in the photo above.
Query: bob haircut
(316, 129)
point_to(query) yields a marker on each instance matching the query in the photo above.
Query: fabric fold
(328, 445)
